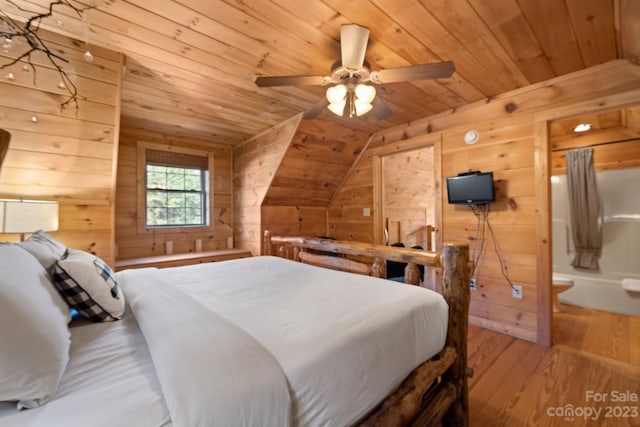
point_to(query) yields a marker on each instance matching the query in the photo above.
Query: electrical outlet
(472, 284)
(516, 291)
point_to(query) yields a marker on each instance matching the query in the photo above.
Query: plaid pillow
(88, 284)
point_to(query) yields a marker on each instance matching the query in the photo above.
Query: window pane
(175, 196)
(175, 200)
(156, 199)
(194, 216)
(175, 181)
(176, 216)
(193, 201)
(156, 180)
(193, 182)
(154, 168)
(156, 216)
(179, 171)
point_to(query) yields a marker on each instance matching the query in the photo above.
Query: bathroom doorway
(597, 301)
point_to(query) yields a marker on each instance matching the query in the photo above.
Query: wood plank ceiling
(191, 63)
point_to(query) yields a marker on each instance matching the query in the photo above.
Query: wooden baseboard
(524, 334)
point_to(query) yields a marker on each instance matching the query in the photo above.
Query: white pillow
(45, 248)
(34, 337)
(88, 284)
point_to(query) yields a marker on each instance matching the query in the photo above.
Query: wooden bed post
(267, 249)
(379, 268)
(5, 137)
(412, 274)
(455, 288)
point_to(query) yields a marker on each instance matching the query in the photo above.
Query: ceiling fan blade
(268, 81)
(353, 45)
(438, 70)
(316, 109)
(380, 109)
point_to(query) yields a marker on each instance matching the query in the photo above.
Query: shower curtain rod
(597, 144)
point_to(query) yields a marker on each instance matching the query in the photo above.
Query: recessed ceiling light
(582, 127)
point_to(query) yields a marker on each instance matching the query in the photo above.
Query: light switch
(366, 211)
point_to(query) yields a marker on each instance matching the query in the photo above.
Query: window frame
(141, 193)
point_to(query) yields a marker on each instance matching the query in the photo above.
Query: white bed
(255, 341)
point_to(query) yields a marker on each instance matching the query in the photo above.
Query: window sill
(176, 260)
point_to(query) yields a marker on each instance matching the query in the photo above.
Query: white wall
(620, 193)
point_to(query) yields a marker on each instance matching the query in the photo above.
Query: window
(176, 189)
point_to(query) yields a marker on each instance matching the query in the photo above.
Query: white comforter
(341, 341)
(258, 341)
(212, 373)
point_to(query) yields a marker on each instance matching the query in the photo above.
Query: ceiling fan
(349, 94)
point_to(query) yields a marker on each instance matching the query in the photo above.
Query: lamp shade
(365, 93)
(362, 107)
(336, 94)
(27, 216)
(338, 108)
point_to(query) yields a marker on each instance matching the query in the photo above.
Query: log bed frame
(436, 392)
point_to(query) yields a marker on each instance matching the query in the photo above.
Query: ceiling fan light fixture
(365, 93)
(336, 94)
(337, 108)
(362, 107)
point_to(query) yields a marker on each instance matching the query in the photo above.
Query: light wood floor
(517, 383)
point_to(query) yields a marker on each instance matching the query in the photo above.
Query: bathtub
(600, 293)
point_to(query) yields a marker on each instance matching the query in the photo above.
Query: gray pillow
(45, 248)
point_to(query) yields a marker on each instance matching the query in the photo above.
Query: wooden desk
(175, 260)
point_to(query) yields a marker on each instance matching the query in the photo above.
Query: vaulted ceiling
(191, 64)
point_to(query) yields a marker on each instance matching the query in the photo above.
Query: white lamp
(27, 216)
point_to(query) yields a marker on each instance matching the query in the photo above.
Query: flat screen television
(471, 188)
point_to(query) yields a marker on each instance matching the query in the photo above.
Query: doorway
(595, 301)
(409, 199)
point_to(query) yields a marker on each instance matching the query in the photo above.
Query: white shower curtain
(585, 208)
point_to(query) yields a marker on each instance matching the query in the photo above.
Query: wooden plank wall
(295, 220)
(132, 242)
(67, 155)
(608, 156)
(255, 163)
(316, 161)
(511, 130)
(506, 148)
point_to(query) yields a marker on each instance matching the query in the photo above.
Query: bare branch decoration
(11, 30)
